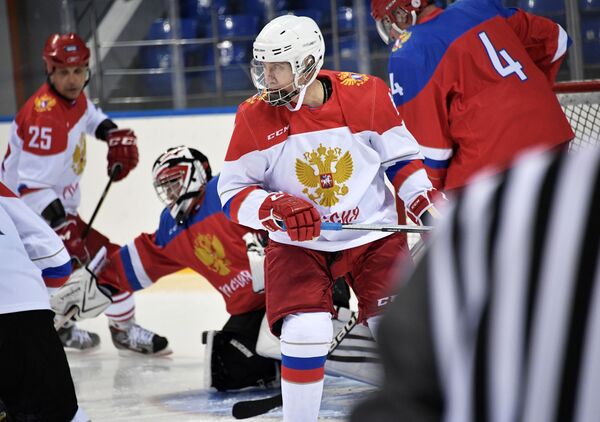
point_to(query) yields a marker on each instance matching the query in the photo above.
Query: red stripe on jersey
(405, 172)
(302, 376)
(236, 202)
(55, 282)
(25, 190)
(437, 177)
(6, 192)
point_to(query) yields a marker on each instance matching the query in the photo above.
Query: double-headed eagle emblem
(405, 36)
(210, 251)
(79, 156)
(352, 79)
(43, 103)
(324, 185)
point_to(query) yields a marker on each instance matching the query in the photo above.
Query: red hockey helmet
(388, 12)
(65, 50)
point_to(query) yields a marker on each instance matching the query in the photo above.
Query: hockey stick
(58, 324)
(376, 227)
(251, 408)
(113, 174)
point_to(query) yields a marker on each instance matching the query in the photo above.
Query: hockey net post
(580, 101)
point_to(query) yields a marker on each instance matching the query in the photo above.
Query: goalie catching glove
(301, 220)
(81, 291)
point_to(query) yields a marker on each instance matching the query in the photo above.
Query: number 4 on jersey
(512, 66)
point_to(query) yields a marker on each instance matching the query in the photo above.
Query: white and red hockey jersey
(47, 149)
(32, 257)
(334, 156)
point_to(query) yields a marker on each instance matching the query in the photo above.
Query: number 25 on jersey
(41, 137)
(512, 66)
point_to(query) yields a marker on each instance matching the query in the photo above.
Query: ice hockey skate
(74, 338)
(131, 338)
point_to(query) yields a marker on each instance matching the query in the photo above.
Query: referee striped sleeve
(515, 308)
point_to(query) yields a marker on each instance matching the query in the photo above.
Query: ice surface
(111, 387)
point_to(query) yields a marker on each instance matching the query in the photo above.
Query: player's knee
(234, 364)
(304, 329)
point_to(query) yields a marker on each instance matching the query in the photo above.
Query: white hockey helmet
(179, 176)
(296, 40)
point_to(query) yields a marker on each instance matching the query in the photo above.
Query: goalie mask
(287, 40)
(180, 175)
(395, 15)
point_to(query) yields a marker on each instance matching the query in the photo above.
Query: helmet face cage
(283, 96)
(296, 40)
(170, 184)
(179, 180)
(65, 50)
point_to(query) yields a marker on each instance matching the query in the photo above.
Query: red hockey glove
(70, 233)
(422, 210)
(122, 151)
(301, 219)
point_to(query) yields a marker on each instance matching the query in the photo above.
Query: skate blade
(77, 351)
(132, 353)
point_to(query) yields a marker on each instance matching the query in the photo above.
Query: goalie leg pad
(267, 344)
(357, 356)
(234, 363)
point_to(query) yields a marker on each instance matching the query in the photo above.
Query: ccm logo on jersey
(278, 133)
(385, 300)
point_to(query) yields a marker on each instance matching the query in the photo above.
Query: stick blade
(251, 408)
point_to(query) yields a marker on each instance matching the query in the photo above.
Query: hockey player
(194, 233)
(473, 82)
(314, 146)
(45, 159)
(36, 383)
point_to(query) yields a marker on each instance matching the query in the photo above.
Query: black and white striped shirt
(510, 293)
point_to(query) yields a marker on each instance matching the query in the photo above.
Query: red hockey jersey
(473, 84)
(46, 153)
(207, 242)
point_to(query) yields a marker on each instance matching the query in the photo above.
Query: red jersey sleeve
(138, 265)
(545, 41)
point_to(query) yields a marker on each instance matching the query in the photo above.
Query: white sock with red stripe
(305, 341)
(122, 310)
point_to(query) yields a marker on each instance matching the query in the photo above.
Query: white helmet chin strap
(300, 100)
